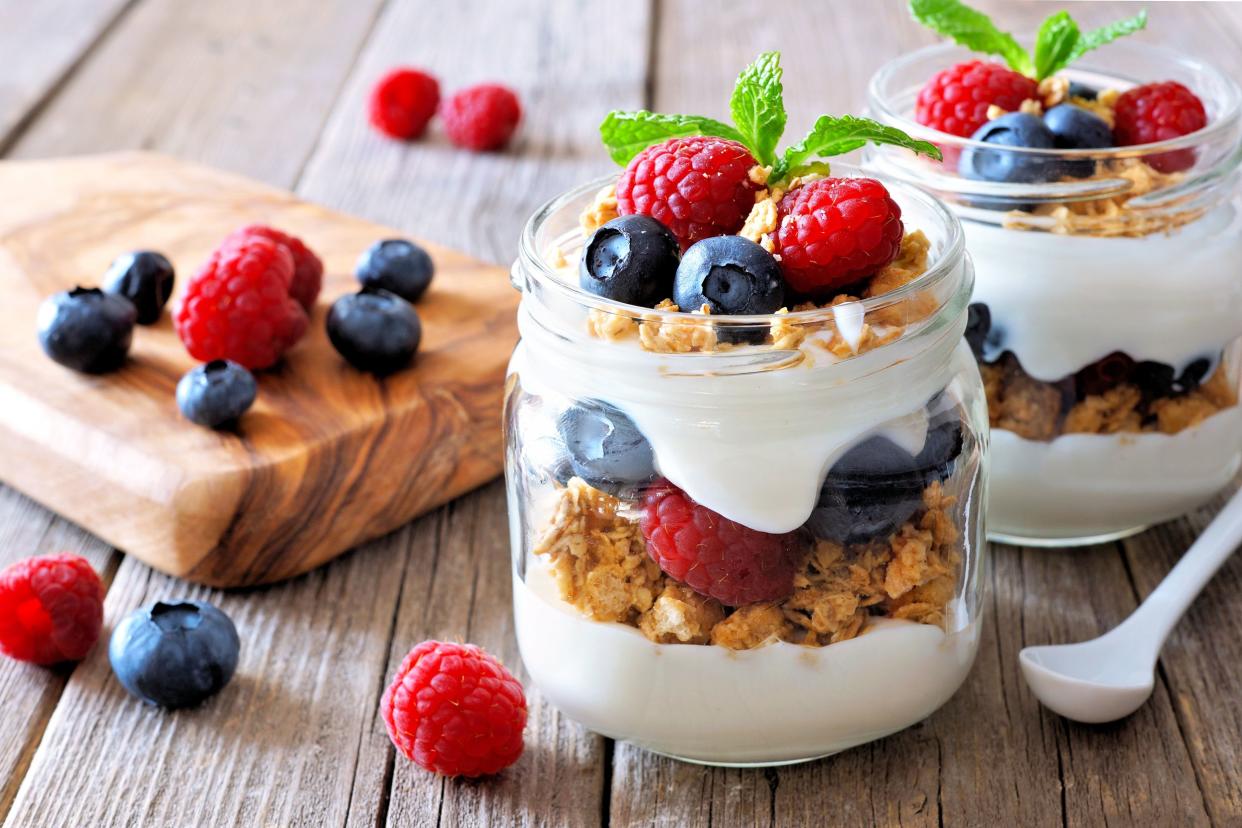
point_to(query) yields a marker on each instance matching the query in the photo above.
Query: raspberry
(1157, 112)
(51, 609)
(455, 710)
(402, 102)
(956, 99)
(307, 268)
(697, 187)
(834, 231)
(713, 555)
(238, 306)
(481, 117)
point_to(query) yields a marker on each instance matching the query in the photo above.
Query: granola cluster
(600, 564)
(1110, 216)
(1037, 410)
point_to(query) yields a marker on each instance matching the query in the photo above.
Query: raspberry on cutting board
(307, 267)
(51, 609)
(237, 306)
(455, 710)
(713, 555)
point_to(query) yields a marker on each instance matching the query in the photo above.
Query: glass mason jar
(812, 481)
(1108, 303)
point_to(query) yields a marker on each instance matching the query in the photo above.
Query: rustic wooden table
(276, 91)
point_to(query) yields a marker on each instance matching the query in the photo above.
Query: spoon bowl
(1069, 680)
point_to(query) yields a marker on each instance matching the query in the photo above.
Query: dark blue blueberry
(630, 259)
(1081, 90)
(145, 278)
(1193, 374)
(877, 485)
(374, 330)
(1014, 129)
(217, 393)
(732, 276)
(86, 329)
(174, 654)
(397, 266)
(1073, 127)
(984, 337)
(604, 447)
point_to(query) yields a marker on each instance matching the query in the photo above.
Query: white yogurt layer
(1064, 301)
(780, 702)
(1086, 485)
(745, 438)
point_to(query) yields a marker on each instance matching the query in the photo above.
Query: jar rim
(940, 267)
(882, 106)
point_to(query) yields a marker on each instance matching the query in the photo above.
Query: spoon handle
(1169, 600)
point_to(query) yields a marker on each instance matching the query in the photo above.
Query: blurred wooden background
(276, 90)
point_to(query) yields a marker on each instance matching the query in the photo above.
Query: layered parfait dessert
(1097, 199)
(745, 441)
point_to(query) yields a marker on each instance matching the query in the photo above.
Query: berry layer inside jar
(1113, 395)
(885, 541)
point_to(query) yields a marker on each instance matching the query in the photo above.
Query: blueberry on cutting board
(217, 393)
(374, 330)
(174, 654)
(631, 259)
(145, 278)
(86, 329)
(605, 447)
(397, 266)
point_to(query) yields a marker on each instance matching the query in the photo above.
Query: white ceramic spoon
(1109, 677)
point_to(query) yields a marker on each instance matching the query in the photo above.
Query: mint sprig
(1059, 43)
(842, 134)
(758, 109)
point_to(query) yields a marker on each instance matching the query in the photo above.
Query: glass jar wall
(746, 540)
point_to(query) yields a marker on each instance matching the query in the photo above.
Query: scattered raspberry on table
(697, 187)
(835, 231)
(402, 102)
(307, 267)
(956, 99)
(455, 710)
(482, 117)
(51, 609)
(713, 555)
(238, 306)
(1159, 112)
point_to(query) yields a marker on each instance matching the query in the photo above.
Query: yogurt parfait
(1098, 199)
(745, 441)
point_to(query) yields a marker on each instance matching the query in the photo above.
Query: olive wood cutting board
(327, 458)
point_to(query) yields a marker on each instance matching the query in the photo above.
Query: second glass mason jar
(1108, 306)
(746, 540)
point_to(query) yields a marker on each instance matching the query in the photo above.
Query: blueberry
(876, 486)
(174, 654)
(1193, 374)
(984, 337)
(86, 329)
(217, 393)
(605, 447)
(1081, 90)
(145, 278)
(732, 276)
(1073, 127)
(374, 330)
(630, 259)
(397, 266)
(1015, 129)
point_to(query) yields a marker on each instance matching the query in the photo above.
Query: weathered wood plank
(41, 43)
(241, 85)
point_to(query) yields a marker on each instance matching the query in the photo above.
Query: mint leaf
(626, 134)
(1057, 39)
(972, 29)
(1106, 34)
(837, 135)
(758, 106)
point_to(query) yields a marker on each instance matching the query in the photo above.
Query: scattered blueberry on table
(397, 266)
(145, 278)
(86, 329)
(374, 330)
(216, 393)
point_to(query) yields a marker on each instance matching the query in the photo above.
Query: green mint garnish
(1059, 43)
(758, 109)
(836, 136)
(626, 134)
